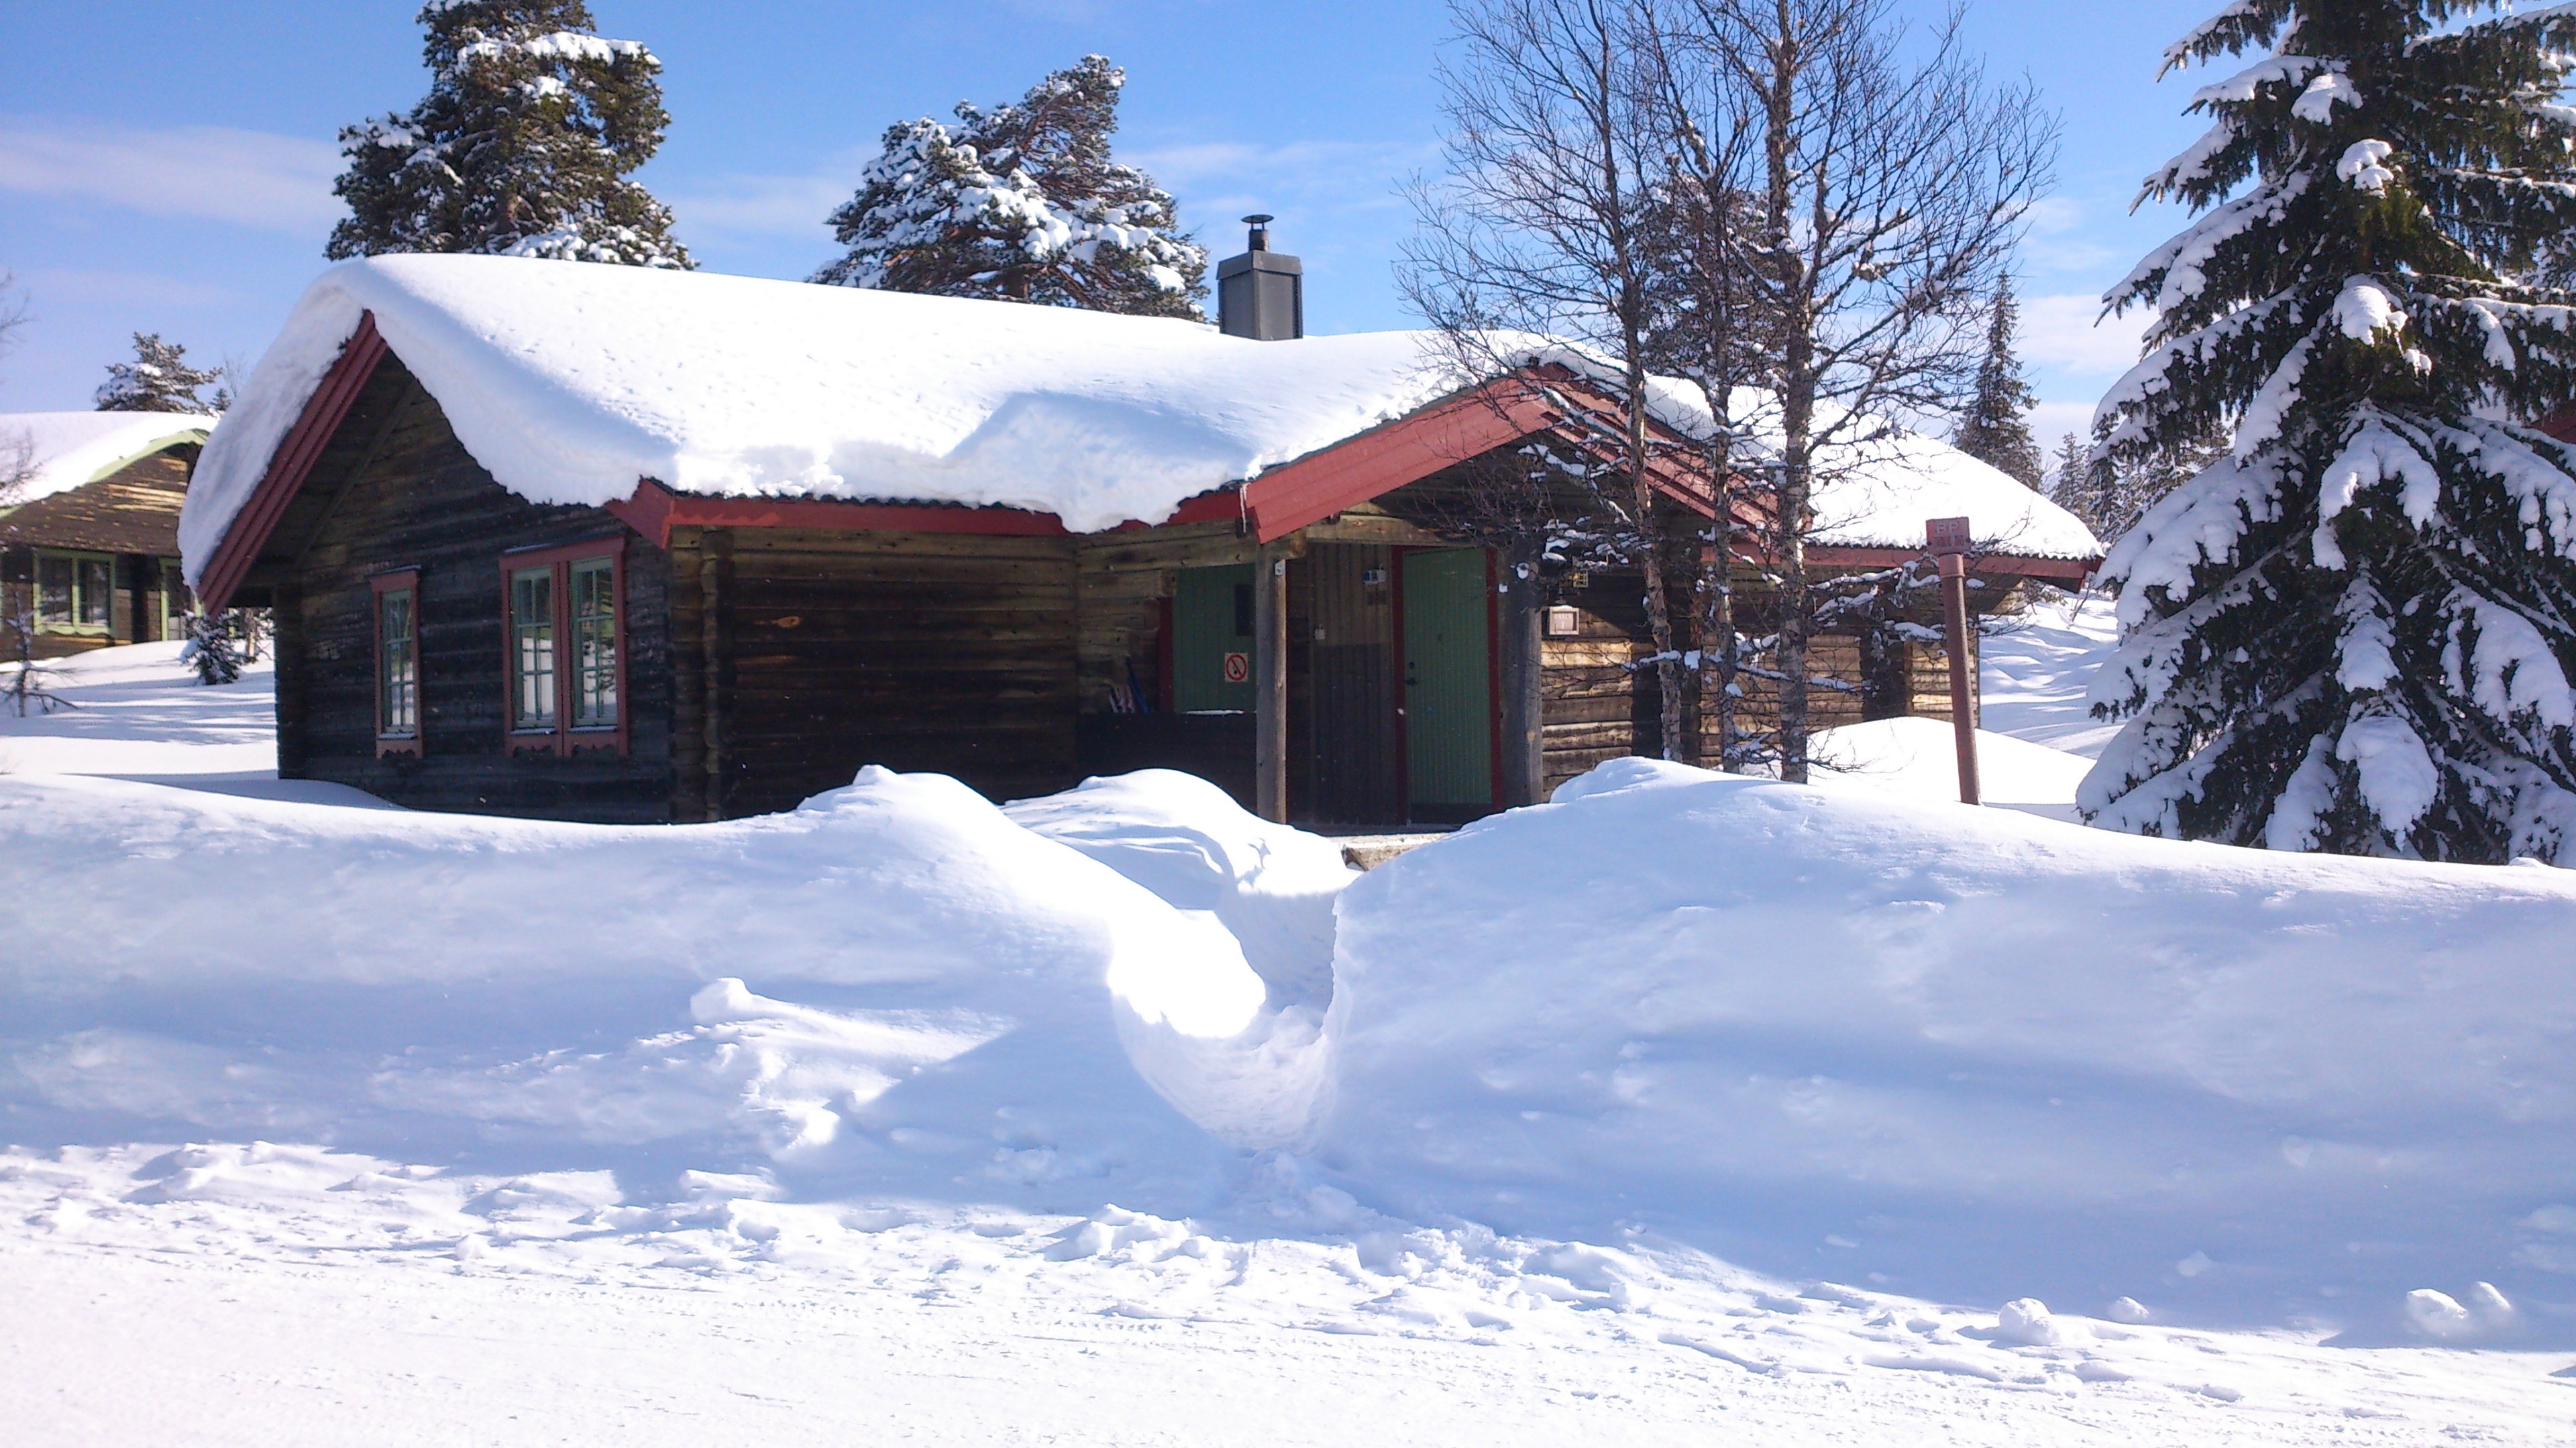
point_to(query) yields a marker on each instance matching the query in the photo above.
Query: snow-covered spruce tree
(2355, 631)
(1995, 429)
(1021, 202)
(521, 148)
(159, 379)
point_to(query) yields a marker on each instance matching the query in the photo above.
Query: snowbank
(569, 382)
(1919, 759)
(893, 983)
(1964, 1050)
(64, 450)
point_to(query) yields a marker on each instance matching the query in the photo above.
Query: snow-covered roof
(66, 450)
(570, 381)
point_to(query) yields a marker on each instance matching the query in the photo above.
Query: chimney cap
(1260, 224)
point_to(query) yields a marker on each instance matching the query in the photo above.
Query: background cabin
(1312, 633)
(89, 546)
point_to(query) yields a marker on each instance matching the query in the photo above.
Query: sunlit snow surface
(904, 1117)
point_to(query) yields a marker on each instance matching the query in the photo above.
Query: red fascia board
(1409, 449)
(655, 510)
(296, 454)
(2062, 570)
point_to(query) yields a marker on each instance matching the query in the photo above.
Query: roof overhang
(296, 453)
(1549, 400)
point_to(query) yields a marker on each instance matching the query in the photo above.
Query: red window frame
(564, 737)
(378, 585)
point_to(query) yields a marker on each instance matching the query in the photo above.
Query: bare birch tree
(1893, 184)
(1543, 225)
(1711, 326)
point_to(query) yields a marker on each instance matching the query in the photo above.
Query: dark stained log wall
(940, 652)
(407, 495)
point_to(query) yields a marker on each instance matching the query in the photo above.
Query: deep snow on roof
(68, 449)
(569, 381)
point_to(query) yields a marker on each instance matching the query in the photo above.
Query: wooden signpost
(1948, 540)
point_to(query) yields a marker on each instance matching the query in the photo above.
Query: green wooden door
(1448, 686)
(1212, 640)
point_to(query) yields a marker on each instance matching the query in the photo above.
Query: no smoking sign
(1238, 668)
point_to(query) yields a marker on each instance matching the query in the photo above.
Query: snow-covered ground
(1684, 1106)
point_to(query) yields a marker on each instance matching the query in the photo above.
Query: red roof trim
(2062, 570)
(2560, 424)
(323, 413)
(655, 510)
(1409, 449)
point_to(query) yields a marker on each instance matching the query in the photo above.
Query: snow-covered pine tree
(521, 148)
(159, 379)
(2355, 631)
(1021, 202)
(1996, 427)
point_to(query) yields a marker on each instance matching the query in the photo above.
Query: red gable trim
(1377, 462)
(2059, 570)
(302, 447)
(655, 510)
(1411, 448)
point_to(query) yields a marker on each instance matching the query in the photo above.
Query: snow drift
(893, 983)
(1958, 1047)
(1830, 1032)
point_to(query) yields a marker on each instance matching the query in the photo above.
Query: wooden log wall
(1594, 705)
(1122, 580)
(405, 493)
(942, 652)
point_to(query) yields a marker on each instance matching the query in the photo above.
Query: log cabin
(598, 543)
(89, 533)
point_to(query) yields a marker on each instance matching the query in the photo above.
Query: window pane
(97, 584)
(594, 629)
(53, 590)
(532, 648)
(397, 670)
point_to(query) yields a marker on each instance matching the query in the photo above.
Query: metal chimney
(1262, 293)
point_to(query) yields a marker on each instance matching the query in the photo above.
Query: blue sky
(161, 173)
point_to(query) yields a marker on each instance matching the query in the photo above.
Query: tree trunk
(1659, 604)
(1720, 693)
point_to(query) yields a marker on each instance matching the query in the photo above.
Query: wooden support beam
(1524, 714)
(1270, 682)
(714, 555)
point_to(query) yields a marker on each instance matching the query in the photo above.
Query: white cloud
(62, 284)
(2062, 332)
(215, 173)
(790, 206)
(2050, 422)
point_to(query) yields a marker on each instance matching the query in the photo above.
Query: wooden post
(286, 640)
(714, 553)
(1949, 542)
(1524, 721)
(1270, 681)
